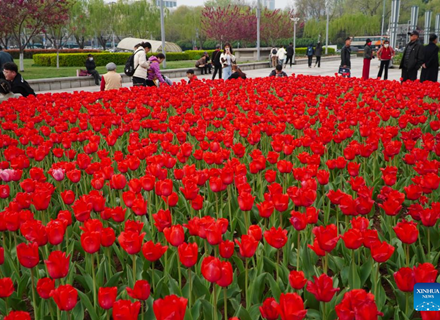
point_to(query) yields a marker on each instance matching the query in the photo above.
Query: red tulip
(381, 251)
(57, 264)
(45, 287)
(170, 307)
(353, 239)
(405, 279)
(118, 182)
(327, 237)
(55, 231)
(291, 306)
(175, 235)
(426, 315)
(265, 209)
(246, 201)
(214, 233)
(269, 309)
(153, 252)
(247, 246)
(4, 191)
(68, 197)
(65, 296)
(141, 290)
(28, 254)
(131, 241)
(357, 304)
(226, 249)
(91, 241)
(107, 297)
(188, 254)
(406, 231)
(126, 310)
(2, 256)
(227, 274)
(162, 219)
(6, 287)
(322, 288)
(255, 231)
(298, 220)
(211, 269)
(425, 273)
(297, 279)
(276, 238)
(108, 237)
(18, 315)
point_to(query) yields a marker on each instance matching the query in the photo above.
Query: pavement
(328, 68)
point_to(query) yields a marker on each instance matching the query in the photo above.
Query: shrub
(29, 53)
(197, 54)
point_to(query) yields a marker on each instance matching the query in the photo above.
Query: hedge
(101, 59)
(29, 53)
(302, 51)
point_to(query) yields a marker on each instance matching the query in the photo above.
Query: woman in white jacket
(227, 59)
(281, 54)
(141, 64)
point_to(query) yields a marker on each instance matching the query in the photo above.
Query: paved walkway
(327, 69)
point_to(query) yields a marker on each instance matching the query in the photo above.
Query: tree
(78, 26)
(58, 36)
(275, 25)
(25, 19)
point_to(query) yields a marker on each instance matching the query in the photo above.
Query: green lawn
(32, 71)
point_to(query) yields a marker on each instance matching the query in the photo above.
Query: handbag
(345, 72)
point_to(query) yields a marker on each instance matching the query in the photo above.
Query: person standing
(216, 62)
(141, 64)
(430, 63)
(368, 55)
(281, 54)
(91, 68)
(273, 56)
(289, 51)
(412, 58)
(318, 53)
(5, 57)
(111, 80)
(309, 53)
(385, 55)
(227, 59)
(345, 57)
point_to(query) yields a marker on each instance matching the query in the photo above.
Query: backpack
(274, 51)
(309, 51)
(129, 69)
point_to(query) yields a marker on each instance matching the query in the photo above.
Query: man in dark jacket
(216, 62)
(345, 55)
(289, 54)
(4, 58)
(91, 68)
(318, 54)
(412, 58)
(309, 52)
(278, 72)
(430, 62)
(18, 84)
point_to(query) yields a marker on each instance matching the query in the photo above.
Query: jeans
(95, 75)
(219, 69)
(384, 64)
(227, 71)
(289, 58)
(310, 60)
(318, 61)
(281, 62)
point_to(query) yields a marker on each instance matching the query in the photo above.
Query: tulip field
(291, 198)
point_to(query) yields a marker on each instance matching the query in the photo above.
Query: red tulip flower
(227, 274)
(211, 269)
(265, 209)
(353, 239)
(381, 251)
(45, 287)
(406, 231)
(357, 304)
(55, 230)
(170, 307)
(68, 197)
(162, 219)
(226, 249)
(18, 315)
(405, 279)
(426, 315)
(65, 296)
(6, 287)
(322, 288)
(2, 256)
(131, 241)
(327, 237)
(247, 246)
(141, 290)
(291, 306)
(153, 252)
(276, 238)
(118, 182)
(57, 264)
(246, 201)
(255, 231)
(28, 254)
(91, 241)
(269, 309)
(298, 220)
(108, 237)
(188, 254)
(175, 235)
(107, 297)
(297, 279)
(126, 310)
(425, 273)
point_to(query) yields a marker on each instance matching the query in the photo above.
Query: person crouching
(111, 80)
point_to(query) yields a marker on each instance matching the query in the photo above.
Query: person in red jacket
(385, 55)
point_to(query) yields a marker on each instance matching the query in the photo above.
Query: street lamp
(327, 9)
(258, 29)
(295, 21)
(162, 32)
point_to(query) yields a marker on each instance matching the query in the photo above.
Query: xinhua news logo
(427, 296)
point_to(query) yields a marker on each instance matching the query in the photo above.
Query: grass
(32, 71)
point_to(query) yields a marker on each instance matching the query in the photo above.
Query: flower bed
(292, 198)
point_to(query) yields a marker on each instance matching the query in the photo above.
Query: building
(167, 3)
(269, 4)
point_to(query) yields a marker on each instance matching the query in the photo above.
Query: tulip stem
(180, 274)
(376, 279)
(246, 282)
(407, 254)
(297, 253)
(214, 300)
(246, 219)
(190, 287)
(33, 295)
(229, 205)
(225, 299)
(68, 315)
(134, 269)
(216, 205)
(152, 276)
(6, 305)
(109, 262)
(406, 303)
(323, 311)
(278, 262)
(429, 244)
(108, 314)
(94, 280)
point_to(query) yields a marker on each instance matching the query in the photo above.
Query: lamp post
(437, 24)
(383, 22)
(326, 25)
(258, 29)
(162, 32)
(295, 21)
(428, 16)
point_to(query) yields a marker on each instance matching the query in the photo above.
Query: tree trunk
(21, 60)
(58, 58)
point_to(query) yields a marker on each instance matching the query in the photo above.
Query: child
(191, 76)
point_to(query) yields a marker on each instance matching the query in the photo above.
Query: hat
(368, 40)
(110, 66)
(414, 33)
